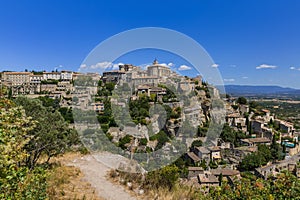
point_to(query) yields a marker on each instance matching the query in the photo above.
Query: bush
(143, 141)
(124, 140)
(196, 143)
(242, 100)
(17, 181)
(165, 177)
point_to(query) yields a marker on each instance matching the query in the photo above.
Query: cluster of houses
(38, 82)
(258, 128)
(57, 85)
(149, 81)
(261, 129)
(204, 179)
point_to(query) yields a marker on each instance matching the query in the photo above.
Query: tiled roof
(203, 150)
(225, 172)
(193, 156)
(208, 178)
(195, 168)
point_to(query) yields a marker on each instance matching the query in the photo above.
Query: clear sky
(253, 41)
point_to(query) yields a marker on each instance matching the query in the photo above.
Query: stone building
(158, 70)
(16, 78)
(51, 75)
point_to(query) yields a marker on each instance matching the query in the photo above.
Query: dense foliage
(242, 100)
(165, 177)
(228, 134)
(17, 181)
(51, 135)
(139, 109)
(264, 155)
(285, 186)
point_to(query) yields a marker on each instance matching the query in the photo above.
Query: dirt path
(95, 173)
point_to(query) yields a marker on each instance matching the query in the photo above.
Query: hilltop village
(252, 138)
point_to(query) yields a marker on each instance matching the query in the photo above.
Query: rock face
(196, 105)
(155, 125)
(198, 112)
(173, 126)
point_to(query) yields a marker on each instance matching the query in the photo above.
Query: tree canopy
(50, 136)
(241, 100)
(16, 180)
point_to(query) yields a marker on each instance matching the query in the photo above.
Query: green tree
(203, 164)
(284, 186)
(10, 93)
(265, 151)
(228, 134)
(143, 141)
(196, 143)
(276, 150)
(257, 159)
(201, 131)
(242, 100)
(220, 178)
(213, 165)
(125, 140)
(165, 177)
(110, 86)
(49, 102)
(51, 135)
(139, 109)
(161, 137)
(67, 114)
(16, 180)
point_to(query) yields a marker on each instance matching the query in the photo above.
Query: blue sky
(253, 41)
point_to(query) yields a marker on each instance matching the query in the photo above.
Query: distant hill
(247, 90)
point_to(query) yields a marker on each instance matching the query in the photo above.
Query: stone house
(194, 172)
(215, 153)
(208, 180)
(203, 153)
(192, 157)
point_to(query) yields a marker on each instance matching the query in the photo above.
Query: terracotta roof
(234, 115)
(263, 139)
(214, 148)
(51, 72)
(246, 148)
(256, 140)
(16, 73)
(208, 178)
(195, 168)
(225, 172)
(193, 156)
(203, 150)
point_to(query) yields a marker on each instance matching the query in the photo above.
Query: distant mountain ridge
(259, 90)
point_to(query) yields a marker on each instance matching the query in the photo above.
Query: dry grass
(180, 192)
(67, 182)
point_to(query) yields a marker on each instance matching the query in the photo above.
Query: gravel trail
(95, 173)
